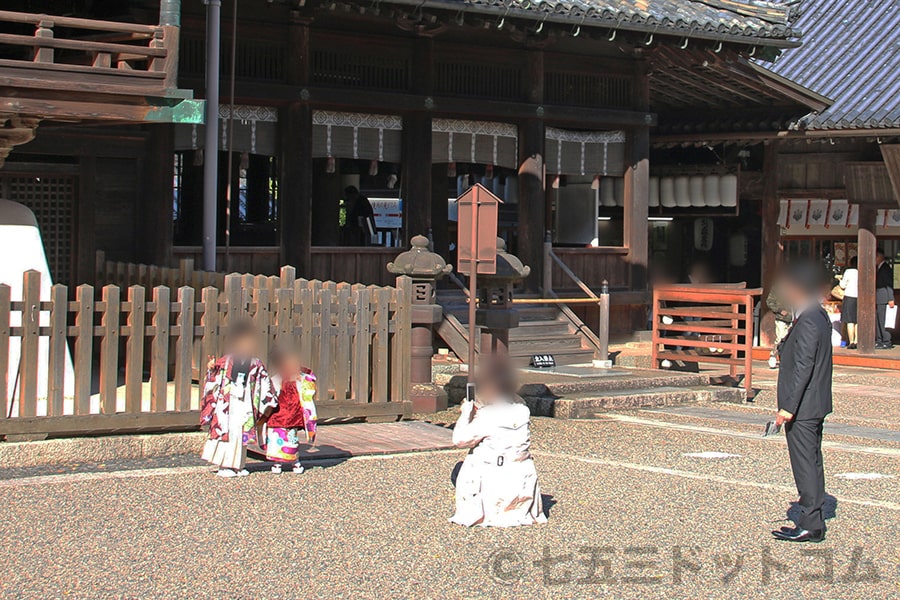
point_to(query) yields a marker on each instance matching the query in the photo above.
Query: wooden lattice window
(52, 200)
(339, 68)
(478, 80)
(580, 89)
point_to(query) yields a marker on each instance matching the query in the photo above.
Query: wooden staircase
(542, 330)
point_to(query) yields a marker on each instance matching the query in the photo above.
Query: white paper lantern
(654, 191)
(607, 192)
(620, 191)
(711, 191)
(728, 190)
(695, 184)
(667, 192)
(682, 192)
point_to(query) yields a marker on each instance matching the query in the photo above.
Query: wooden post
(867, 247)
(416, 178)
(532, 198)
(84, 346)
(159, 354)
(109, 349)
(362, 344)
(637, 185)
(297, 187)
(5, 308)
(134, 349)
(28, 359)
(209, 321)
(771, 240)
(44, 30)
(156, 233)
(184, 349)
(439, 207)
(88, 256)
(547, 276)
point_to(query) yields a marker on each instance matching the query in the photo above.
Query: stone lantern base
(428, 398)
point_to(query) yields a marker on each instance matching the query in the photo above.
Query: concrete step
(521, 357)
(590, 405)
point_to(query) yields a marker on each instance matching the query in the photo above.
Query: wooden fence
(137, 353)
(124, 274)
(705, 324)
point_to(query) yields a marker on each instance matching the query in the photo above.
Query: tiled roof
(763, 22)
(851, 54)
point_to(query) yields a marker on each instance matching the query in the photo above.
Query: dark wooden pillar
(85, 224)
(532, 197)
(295, 210)
(637, 187)
(439, 219)
(771, 240)
(532, 200)
(157, 228)
(416, 177)
(296, 192)
(867, 248)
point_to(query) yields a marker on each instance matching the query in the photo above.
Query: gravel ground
(618, 494)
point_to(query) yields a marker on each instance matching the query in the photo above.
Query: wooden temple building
(625, 131)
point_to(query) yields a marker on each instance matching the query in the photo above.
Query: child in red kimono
(296, 412)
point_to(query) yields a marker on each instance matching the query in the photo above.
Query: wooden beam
(771, 239)
(392, 102)
(185, 111)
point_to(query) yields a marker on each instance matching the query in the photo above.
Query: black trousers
(804, 440)
(881, 333)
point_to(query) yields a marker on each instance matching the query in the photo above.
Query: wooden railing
(600, 341)
(120, 376)
(705, 324)
(117, 53)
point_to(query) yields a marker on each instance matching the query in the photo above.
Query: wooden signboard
(478, 209)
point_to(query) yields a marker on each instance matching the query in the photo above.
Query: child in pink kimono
(237, 398)
(296, 412)
(497, 484)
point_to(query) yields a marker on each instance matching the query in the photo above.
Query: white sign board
(388, 212)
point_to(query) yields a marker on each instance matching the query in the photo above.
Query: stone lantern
(495, 314)
(424, 268)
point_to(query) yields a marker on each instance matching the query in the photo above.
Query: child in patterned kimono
(296, 412)
(497, 484)
(237, 399)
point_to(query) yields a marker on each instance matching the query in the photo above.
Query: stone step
(591, 404)
(535, 383)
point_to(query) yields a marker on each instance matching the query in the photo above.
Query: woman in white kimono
(497, 484)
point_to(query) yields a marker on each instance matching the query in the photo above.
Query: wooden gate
(705, 324)
(137, 354)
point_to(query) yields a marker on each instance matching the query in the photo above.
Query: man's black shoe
(798, 534)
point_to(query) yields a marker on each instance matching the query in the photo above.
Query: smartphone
(470, 392)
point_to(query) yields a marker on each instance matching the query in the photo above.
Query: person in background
(497, 484)
(804, 396)
(849, 306)
(884, 297)
(360, 218)
(238, 397)
(783, 319)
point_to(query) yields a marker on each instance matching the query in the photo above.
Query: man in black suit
(804, 396)
(884, 297)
